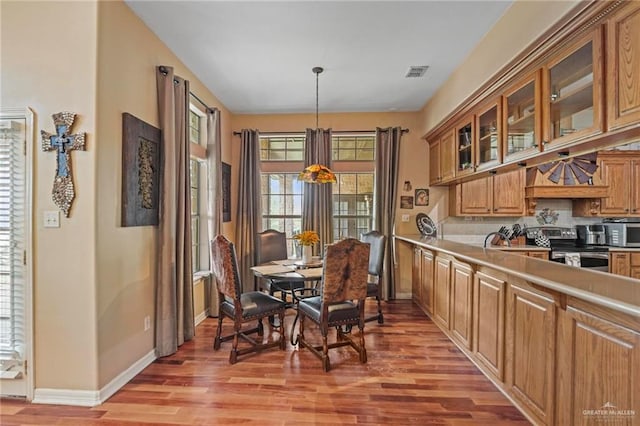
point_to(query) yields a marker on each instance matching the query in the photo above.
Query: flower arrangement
(317, 173)
(307, 238)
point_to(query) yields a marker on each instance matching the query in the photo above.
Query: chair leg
(283, 340)
(363, 350)
(233, 356)
(326, 364)
(380, 316)
(217, 341)
(260, 328)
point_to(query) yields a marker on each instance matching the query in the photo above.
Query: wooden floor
(414, 375)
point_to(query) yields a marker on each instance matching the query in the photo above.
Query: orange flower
(307, 238)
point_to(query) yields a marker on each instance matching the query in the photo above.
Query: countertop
(612, 291)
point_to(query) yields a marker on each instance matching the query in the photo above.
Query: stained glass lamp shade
(317, 173)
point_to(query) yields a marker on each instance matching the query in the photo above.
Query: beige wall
(127, 56)
(93, 279)
(53, 70)
(522, 23)
(413, 150)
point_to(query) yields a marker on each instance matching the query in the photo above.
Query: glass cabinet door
(464, 159)
(570, 91)
(488, 128)
(521, 125)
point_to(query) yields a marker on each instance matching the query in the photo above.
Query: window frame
(198, 155)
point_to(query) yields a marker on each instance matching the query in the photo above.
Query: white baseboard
(201, 317)
(92, 398)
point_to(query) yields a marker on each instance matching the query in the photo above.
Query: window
(13, 234)
(198, 170)
(352, 160)
(282, 158)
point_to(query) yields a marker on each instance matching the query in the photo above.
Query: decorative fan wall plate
(580, 168)
(426, 225)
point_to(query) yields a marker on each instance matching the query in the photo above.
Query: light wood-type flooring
(414, 375)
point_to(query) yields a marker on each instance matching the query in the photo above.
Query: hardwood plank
(414, 375)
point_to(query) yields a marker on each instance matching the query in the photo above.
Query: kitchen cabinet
(625, 263)
(530, 351)
(442, 292)
(521, 118)
(544, 255)
(442, 160)
(461, 302)
(488, 127)
(488, 323)
(620, 171)
(427, 280)
(591, 338)
(572, 92)
(416, 276)
(465, 147)
(623, 66)
(496, 195)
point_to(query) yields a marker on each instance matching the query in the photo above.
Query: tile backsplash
(455, 227)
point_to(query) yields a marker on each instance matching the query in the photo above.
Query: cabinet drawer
(635, 259)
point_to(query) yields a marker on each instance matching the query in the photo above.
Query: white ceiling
(256, 57)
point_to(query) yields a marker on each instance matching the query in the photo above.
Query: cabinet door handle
(488, 210)
(626, 210)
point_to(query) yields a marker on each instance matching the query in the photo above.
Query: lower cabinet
(530, 350)
(416, 275)
(488, 323)
(588, 342)
(626, 263)
(427, 281)
(461, 302)
(442, 292)
(561, 360)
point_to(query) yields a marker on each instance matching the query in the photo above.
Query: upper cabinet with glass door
(521, 119)
(465, 147)
(572, 92)
(488, 129)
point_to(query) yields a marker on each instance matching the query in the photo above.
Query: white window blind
(12, 240)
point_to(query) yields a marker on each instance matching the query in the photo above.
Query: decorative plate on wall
(426, 225)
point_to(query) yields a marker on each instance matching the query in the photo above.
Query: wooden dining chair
(341, 303)
(241, 307)
(376, 242)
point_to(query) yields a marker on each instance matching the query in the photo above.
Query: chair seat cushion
(255, 304)
(339, 313)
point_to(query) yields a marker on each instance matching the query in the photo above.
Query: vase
(307, 253)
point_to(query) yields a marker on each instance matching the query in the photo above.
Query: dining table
(292, 271)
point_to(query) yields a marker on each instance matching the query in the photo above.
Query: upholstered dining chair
(376, 242)
(341, 303)
(272, 245)
(241, 307)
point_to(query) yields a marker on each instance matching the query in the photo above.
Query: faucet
(502, 236)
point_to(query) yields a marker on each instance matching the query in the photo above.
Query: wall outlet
(405, 218)
(52, 219)
(147, 323)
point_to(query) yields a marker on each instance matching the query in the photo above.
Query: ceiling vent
(416, 71)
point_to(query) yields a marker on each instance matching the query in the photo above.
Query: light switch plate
(52, 219)
(405, 218)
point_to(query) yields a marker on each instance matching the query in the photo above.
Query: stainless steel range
(568, 248)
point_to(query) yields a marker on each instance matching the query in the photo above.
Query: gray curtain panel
(248, 216)
(174, 280)
(317, 203)
(386, 193)
(214, 198)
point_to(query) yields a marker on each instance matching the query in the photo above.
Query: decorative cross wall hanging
(63, 143)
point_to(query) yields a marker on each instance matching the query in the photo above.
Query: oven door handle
(585, 255)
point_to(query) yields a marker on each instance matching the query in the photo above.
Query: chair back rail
(345, 271)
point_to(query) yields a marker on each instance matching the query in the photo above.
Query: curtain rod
(301, 133)
(164, 71)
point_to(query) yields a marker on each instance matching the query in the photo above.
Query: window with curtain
(12, 245)
(353, 157)
(198, 170)
(353, 161)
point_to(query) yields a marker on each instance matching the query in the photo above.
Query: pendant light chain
(317, 71)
